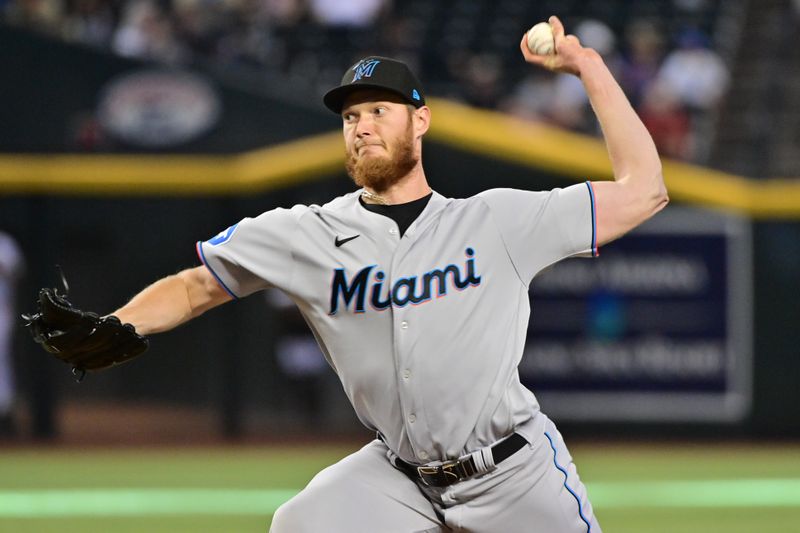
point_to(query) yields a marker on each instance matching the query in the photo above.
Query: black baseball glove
(80, 338)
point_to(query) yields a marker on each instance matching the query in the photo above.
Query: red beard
(379, 173)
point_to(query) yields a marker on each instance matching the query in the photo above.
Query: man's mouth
(359, 148)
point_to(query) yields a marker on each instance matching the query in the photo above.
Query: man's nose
(365, 127)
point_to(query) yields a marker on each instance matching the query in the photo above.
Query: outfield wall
(117, 214)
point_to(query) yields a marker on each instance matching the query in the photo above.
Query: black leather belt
(454, 471)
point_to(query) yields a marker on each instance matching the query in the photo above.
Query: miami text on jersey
(412, 290)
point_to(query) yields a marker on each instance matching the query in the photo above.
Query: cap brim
(334, 99)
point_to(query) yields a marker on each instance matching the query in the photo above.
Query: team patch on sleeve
(223, 236)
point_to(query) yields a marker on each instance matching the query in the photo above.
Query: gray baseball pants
(536, 490)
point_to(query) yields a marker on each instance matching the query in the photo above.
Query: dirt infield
(127, 424)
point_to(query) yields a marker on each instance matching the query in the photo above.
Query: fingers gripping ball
(540, 39)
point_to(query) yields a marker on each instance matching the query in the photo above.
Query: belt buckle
(440, 475)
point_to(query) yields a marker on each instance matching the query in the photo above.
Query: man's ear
(422, 120)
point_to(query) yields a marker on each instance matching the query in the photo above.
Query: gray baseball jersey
(425, 331)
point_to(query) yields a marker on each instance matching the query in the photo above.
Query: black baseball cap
(376, 72)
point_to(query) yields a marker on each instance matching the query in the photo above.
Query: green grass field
(677, 488)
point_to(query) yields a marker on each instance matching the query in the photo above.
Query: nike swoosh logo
(338, 242)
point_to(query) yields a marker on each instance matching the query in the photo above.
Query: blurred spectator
(347, 13)
(11, 269)
(695, 72)
(570, 106)
(274, 36)
(90, 22)
(597, 35)
(282, 13)
(667, 121)
(691, 6)
(561, 99)
(196, 25)
(402, 38)
(642, 59)
(45, 15)
(531, 97)
(480, 80)
(147, 33)
(300, 360)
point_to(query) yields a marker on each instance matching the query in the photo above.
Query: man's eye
(380, 111)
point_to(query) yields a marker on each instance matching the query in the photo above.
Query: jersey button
(404, 324)
(406, 374)
(423, 455)
(393, 231)
(412, 418)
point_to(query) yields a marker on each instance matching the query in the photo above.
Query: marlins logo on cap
(364, 68)
(377, 72)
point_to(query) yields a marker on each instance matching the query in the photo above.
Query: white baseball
(540, 39)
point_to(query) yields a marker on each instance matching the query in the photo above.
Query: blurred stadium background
(130, 129)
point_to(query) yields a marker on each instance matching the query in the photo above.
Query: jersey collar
(435, 204)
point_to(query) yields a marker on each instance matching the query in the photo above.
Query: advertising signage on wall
(658, 328)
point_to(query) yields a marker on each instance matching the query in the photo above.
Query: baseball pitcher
(420, 304)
